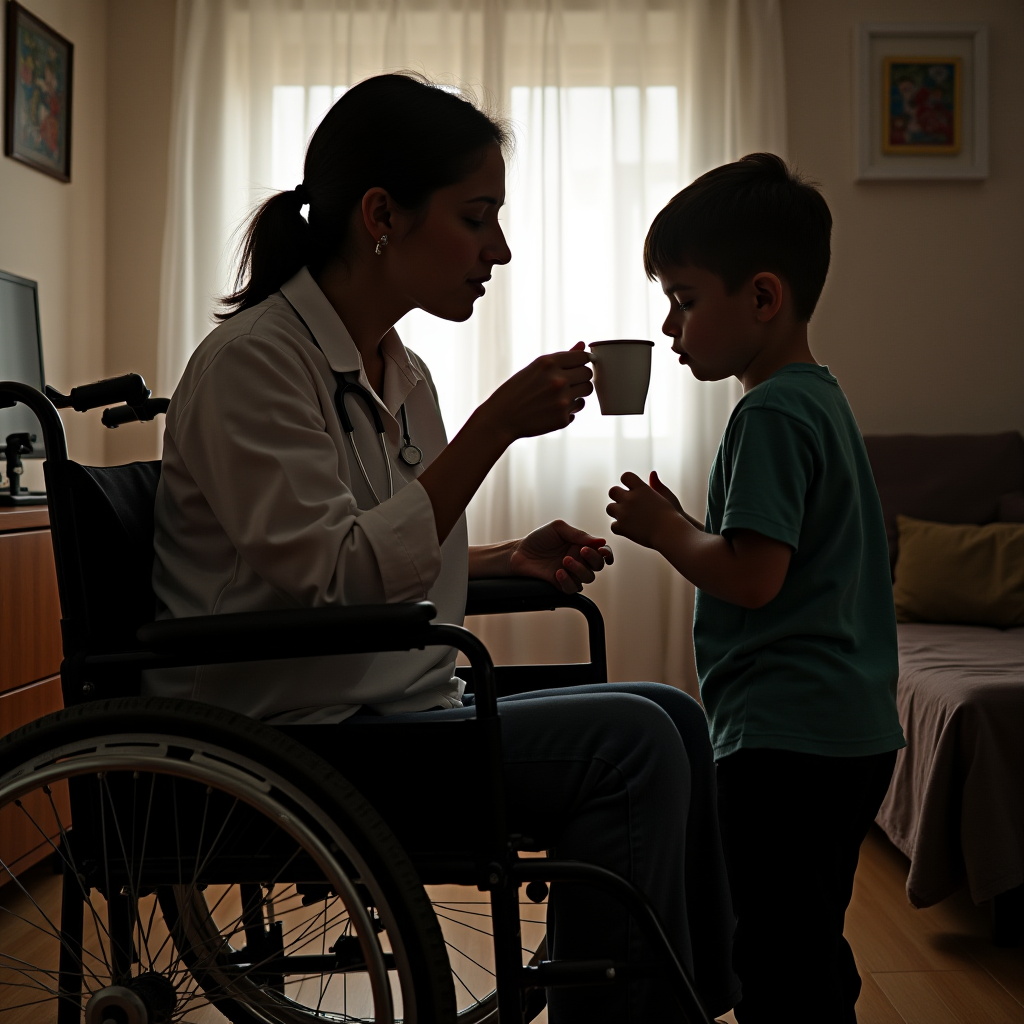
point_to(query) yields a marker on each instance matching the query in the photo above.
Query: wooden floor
(933, 966)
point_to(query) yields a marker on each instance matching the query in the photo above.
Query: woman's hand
(542, 397)
(560, 554)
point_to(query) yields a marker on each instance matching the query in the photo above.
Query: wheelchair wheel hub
(148, 999)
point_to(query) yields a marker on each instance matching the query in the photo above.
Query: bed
(956, 803)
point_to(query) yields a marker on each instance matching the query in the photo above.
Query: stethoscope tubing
(410, 454)
(362, 468)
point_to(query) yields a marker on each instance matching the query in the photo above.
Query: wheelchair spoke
(232, 928)
(479, 913)
(67, 856)
(142, 861)
(22, 1006)
(465, 955)
(468, 934)
(331, 923)
(330, 977)
(472, 995)
(133, 892)
(462, 924)
(36, 986)
(213, 846)
(53, 929)
(154, 902)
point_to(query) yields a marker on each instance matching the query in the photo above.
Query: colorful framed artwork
(37, 94)
(922, 110)
(921, 104)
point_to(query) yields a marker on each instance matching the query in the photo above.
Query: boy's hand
(642, 513)
(661, 489)
(744, 568)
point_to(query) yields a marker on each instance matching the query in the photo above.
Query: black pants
(792, 825)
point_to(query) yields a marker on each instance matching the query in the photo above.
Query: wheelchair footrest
(562, 973)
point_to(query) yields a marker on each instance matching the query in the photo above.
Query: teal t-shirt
(815, 669)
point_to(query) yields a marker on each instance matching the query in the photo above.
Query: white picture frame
(964, 44)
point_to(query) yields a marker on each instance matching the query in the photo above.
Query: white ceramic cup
(622, 374)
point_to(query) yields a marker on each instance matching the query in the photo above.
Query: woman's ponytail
(398, 132)
(275, 247)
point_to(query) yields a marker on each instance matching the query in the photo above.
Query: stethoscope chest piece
(410, 454)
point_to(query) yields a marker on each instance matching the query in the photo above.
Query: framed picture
(921, 104)
(37, 94)
(922, 101)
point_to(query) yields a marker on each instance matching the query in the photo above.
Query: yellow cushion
(967, 574)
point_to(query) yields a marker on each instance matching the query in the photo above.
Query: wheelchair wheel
(211, 869)
(465, 916)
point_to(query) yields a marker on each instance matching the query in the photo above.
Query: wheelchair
(210, 867)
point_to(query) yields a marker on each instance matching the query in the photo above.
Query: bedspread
(956, 803)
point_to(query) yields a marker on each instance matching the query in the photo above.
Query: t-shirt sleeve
(771, 460)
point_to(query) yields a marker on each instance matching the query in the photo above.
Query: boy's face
(714, 333)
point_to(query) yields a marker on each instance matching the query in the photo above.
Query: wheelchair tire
(285, 810)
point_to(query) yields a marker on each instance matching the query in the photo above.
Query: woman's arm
(556, 553)
(543, 397)
(489, 560)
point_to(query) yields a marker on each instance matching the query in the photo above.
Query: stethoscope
(408, 453)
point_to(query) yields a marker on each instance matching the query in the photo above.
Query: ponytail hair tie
(302, 194)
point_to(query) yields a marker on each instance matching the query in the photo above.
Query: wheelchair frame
(89, 672)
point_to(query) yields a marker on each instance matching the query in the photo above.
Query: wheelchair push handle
(129, 388)
(141, 413)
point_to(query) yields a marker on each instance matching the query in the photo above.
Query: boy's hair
(745, 217)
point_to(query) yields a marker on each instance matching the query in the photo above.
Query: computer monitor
(21, 353)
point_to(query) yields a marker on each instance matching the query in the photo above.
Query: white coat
(261, 505)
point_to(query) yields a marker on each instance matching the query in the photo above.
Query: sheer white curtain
(616, 105)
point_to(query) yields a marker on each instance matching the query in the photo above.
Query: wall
(54, 232)
(927, 343)
(140, 44)
(920, 318)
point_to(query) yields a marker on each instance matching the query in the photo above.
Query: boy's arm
(743, 567)
(660, 488)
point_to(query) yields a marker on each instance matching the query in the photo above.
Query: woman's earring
(379, 251)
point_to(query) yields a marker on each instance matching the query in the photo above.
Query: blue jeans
(621, 775)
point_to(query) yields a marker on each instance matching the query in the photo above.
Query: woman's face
(443, 255)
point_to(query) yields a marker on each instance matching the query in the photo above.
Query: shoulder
(778, 419)
(254, 350)
(802, 396)
(795, 387)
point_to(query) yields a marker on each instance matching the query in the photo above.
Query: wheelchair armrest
(290, 633)
(502, 594)
(287, 633)
(514, 594)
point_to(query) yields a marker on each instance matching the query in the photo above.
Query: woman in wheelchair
(306, 464)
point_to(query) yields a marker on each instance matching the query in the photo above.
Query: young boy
(794, 628)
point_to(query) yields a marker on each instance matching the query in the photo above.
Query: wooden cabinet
(30, 652)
